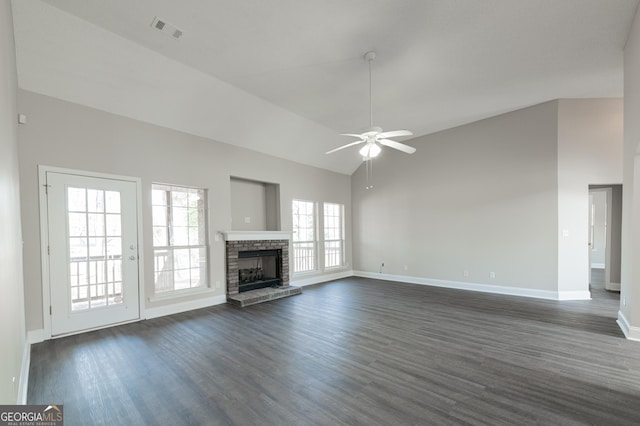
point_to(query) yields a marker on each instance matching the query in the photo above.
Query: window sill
(177, 294)
(333, 269)
(336, 268)
(302, 274)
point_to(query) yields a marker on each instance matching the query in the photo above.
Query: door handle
(132, 257)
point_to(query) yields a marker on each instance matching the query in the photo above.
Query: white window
(304, 235)
(179, 237)
(333, 235)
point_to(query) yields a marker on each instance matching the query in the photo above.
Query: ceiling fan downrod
(370, 57)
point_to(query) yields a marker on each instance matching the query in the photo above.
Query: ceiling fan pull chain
(369, 171)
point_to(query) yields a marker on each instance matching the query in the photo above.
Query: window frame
(313, 242)
(340, 240)
(203, 260)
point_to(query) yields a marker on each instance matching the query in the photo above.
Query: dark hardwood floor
(354, 351)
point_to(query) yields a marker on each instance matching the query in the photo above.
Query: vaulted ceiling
(285, 77)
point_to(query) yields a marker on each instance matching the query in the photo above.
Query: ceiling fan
(374, 136)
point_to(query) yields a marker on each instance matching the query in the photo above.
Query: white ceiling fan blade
(395, 133)
(397, 145)
(344, 146)
(352, 134)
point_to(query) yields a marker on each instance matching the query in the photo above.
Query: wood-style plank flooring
(354, 351)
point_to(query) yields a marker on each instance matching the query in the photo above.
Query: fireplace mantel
(256, 235)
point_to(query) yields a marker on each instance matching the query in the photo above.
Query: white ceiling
(441, 63)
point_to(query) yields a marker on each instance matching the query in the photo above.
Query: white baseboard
(574, 295)
(612, 286)
(630, 332)
(317, 279)
(597, 266)
(23, 384)
(177, 308)
(484, 288)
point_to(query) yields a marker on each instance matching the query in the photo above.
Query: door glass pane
(77, 249)
(113, 225)
(114, 247)
(112, 201)
(95, 200)
(77, 224)
(96, 224)
(95, 248)
(76, 200)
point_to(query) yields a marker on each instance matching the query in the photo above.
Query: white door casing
(92, 248)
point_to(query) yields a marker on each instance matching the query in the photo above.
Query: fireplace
(259, 269)
(256, 260)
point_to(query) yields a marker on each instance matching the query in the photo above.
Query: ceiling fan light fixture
(375, 136)
(370, 150)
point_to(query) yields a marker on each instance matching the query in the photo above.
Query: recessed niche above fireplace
(254, 205)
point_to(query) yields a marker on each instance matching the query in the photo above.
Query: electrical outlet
(624, 301)
(406, 267)
(217, 284)
(465, 273)
(492, 274)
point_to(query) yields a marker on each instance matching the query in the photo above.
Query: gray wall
(481, 197)
(68, 135)
(12, 322)
(590, 139)
(630, 285)
(493, 196)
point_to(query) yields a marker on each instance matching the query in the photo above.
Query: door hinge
(46, 188)
(48, 249)
(50, 310)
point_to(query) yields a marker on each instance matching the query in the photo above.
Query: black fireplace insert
(259, 269)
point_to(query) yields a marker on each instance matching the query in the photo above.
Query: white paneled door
(93, 251)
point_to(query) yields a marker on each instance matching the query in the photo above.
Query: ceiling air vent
(165, 28)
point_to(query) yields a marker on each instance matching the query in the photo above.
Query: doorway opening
(605, 236)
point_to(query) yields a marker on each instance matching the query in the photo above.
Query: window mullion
(169, 219)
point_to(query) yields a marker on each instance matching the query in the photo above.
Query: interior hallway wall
(12, 320)
(629, 315)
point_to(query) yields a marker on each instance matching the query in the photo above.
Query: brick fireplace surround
(237, 241)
